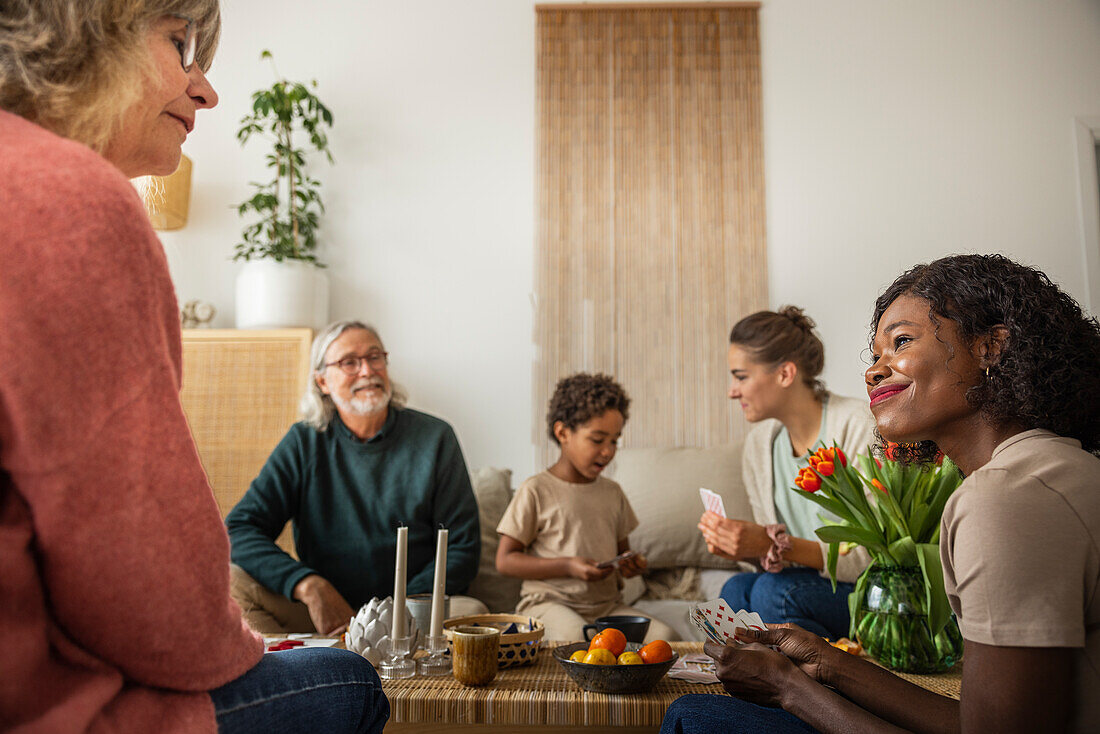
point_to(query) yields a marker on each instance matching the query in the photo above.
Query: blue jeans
(796, 595)
(702, 713)
(307, 690)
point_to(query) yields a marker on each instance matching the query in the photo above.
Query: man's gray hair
(317, 408)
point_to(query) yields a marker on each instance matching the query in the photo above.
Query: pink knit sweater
(114, 565)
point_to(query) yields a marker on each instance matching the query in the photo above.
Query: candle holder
(436, 662)
(397, 663)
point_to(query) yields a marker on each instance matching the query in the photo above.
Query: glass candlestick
(437, 662)
(397, 663)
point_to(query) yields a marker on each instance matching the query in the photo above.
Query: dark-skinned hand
(812, 654)
(752, 672)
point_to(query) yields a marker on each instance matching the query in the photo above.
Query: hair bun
(797, 317)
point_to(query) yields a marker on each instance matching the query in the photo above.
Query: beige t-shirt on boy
(556, 519)
(1020, 560)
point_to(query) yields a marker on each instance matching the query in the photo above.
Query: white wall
(895, 132)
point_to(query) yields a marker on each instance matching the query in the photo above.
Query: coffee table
(542, 695)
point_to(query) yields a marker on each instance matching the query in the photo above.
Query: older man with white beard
(358, 464)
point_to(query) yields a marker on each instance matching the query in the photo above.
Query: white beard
(367, 405)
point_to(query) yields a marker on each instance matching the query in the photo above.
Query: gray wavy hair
(76, 67)
(317, 408)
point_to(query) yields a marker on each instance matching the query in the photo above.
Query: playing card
(716, 620)
(617, 559)
(712, 501)
(700, 620)
(750, 620)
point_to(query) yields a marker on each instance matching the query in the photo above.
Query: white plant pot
(273, 295)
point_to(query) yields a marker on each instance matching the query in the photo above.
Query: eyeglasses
(190, 44)
(352, 365)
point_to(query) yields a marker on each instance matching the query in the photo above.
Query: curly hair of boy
(581, 397)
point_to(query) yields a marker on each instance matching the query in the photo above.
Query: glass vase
(892, 624)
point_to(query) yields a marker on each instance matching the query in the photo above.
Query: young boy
(564, 522)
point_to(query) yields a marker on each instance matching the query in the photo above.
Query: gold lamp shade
(168, 198)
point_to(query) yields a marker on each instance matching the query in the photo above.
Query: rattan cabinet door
(240, 394)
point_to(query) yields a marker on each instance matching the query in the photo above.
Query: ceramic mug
(420, 607)
(474, 654)
(633, 627)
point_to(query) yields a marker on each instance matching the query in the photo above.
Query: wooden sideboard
(240, 393)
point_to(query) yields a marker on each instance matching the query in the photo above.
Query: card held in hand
(718, 621)
(712, 502)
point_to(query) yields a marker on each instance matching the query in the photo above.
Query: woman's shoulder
(847, 408)
(39, 164)
(1033, 472)
(850, 423)
(761, 435)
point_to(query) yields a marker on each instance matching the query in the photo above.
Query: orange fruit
(599, 656)
(657, 651)
(630, 658)
(610, 639)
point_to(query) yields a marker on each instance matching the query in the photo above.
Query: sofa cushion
(493, 491)
(663, 484)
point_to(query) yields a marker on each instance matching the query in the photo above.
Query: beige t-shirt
(554, 519)
(1020, 559)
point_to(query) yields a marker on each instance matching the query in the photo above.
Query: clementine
(599, 656)
(609, 639)
(657, 651)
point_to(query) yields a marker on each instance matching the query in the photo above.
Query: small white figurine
(368, 630)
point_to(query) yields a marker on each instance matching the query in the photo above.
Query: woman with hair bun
(775, 359)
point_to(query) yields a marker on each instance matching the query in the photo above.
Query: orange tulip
(808, 481)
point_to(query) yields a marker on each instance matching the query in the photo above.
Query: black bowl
(612, 678)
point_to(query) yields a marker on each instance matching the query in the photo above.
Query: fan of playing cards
(718, 621)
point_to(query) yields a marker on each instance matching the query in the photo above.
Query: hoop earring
(987, 373)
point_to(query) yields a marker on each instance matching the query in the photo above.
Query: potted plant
(281, 284)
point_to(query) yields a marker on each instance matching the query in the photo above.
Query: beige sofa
(663, 488)
(237, 420)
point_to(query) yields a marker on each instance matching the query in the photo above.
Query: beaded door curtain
(650, 209)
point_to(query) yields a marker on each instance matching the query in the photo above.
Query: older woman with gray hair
(114, 580)
(357, 465)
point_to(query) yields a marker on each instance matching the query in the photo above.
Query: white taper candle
(439, 589)
(398, 629)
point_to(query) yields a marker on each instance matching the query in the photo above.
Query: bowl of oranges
(610, 664)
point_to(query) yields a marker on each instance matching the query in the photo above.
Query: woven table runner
(542, 694)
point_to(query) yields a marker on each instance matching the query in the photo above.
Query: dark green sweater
(346, 498)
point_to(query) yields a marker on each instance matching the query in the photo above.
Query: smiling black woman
(990, 362)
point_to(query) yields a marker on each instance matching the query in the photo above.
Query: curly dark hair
(1046, 375)
(581, 397)
(774, 337)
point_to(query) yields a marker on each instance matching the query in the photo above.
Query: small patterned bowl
(516, 648)
(612, 678)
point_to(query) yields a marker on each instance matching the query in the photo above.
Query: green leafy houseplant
(899, 607)
(289, 206)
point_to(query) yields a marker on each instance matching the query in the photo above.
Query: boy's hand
(585, 569)
(633, 566)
